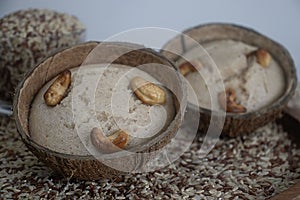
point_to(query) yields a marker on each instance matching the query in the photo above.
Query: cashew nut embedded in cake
(262, 57)
(188, 67)
(147, 92)
(58, 89)
(114, 142)
(228, 102)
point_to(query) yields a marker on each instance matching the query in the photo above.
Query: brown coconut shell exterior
(237, 124)
(88, 167)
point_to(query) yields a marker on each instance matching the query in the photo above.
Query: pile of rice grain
(28, 36)
(256, 166)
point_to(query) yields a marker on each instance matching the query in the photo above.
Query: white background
(277, 19)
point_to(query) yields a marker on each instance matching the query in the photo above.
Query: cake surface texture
(232, 63)
(98, 97)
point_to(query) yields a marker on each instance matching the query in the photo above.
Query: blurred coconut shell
(237, 124)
